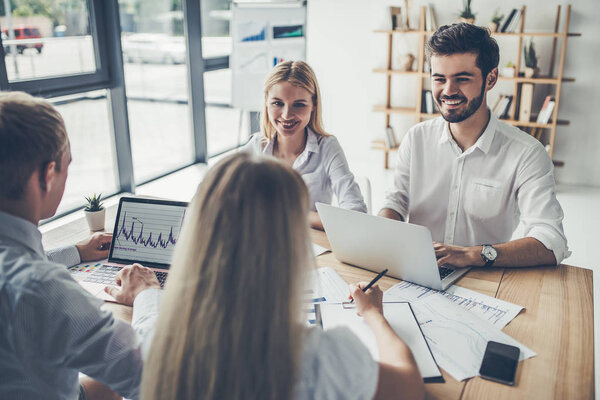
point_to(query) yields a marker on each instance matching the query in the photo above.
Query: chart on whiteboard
(147, 232)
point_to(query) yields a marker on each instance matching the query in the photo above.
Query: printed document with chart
(458, 323)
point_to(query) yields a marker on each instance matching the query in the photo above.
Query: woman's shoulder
(335, 363)
(256, 143)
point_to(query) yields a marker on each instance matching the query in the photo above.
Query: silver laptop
(376, 243)
(145, 232)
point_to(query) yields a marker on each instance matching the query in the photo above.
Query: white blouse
(335, 365)
(323, 167)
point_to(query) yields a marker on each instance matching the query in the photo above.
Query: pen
(373, 281)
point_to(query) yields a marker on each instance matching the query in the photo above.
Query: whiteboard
(263, 35)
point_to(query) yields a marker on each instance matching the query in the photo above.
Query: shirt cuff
(557, 245)
(68, 256)
(396, 207)
(145, 315)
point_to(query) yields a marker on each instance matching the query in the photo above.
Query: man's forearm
(525, 252)
(391, 214)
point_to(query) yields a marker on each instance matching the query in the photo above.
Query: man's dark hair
(465, 38)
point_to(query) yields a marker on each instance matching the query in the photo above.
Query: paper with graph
(458, 324)
(497, 312)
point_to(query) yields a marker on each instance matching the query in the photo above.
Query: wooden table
(557, 322)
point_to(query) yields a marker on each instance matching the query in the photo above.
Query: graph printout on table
(147, 232)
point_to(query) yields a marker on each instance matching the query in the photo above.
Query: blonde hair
(298, 73)
(32, 134)
(229, 323)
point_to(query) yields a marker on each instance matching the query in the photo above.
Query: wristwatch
(489, 254)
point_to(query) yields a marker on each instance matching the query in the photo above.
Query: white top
(477, 196)
(51, 328)
(323, 167)
(335, 365)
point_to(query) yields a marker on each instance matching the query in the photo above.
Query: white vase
(95, 219)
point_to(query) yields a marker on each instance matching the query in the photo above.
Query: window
(48, 41)
(156, 82)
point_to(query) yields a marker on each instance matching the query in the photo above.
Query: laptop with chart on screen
(145, 232)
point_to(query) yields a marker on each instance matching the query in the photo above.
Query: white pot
(95, 219)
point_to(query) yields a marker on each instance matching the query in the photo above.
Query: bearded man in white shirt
(469, 177)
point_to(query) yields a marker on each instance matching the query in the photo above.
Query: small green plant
(466, 11)
(530, 56)
(497, 17)
(94, 203)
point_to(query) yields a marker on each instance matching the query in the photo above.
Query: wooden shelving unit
(552, 79)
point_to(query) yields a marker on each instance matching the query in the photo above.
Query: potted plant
(95, 212)
(495, 22)
(509, 70)
(531, 61)
(466, 15)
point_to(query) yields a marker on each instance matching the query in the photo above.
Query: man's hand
(95, 247)
(457, 256)
(133, 279)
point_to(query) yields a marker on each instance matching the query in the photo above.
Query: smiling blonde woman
(292, 130)
(231, 324)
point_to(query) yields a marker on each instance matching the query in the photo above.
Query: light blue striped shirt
(51, 329)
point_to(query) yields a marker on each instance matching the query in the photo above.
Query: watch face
(489, 252)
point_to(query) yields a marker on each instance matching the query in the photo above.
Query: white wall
(343, 50)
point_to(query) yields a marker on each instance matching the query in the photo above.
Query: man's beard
(472, 106)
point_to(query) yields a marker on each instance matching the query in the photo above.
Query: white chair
(365, 188)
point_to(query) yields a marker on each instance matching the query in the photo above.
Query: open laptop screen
(146, 231)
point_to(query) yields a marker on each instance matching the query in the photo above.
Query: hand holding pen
(368, 301)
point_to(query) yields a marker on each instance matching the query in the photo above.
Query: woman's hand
(369, 302)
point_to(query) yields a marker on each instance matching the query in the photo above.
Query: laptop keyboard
(106, 274)
(444, 272)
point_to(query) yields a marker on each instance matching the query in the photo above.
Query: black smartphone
(500, 363)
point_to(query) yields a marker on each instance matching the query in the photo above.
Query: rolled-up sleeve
(397, 198)
(541, 213)
(344, 186)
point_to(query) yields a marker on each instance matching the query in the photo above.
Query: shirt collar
(484, 142)
(21, 231)
(312, 144)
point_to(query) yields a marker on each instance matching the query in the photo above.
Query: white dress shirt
(335, 364)
(50, 328)
(477, 196)
(323, 167)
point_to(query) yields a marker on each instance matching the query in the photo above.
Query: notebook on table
(145, 232)
(403, 321)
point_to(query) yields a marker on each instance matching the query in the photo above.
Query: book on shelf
(390, 138)
(397, 18)
(525, 103)
(430, 19)
(546, 110)
(508, 20)
(502, 107)
(514, 24)
(427, 105)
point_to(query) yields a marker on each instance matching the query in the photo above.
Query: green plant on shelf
(531, 60)
(94, 203)
(497, 17)
(466, 11)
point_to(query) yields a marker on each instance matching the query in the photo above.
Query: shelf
(390, 31)
(534, 124)
(380, 145)
(397, 71)
(394, 110)
(552, 81)
(547, 34)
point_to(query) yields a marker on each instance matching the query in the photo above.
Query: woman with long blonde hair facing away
(292, 130)
(231, 323)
